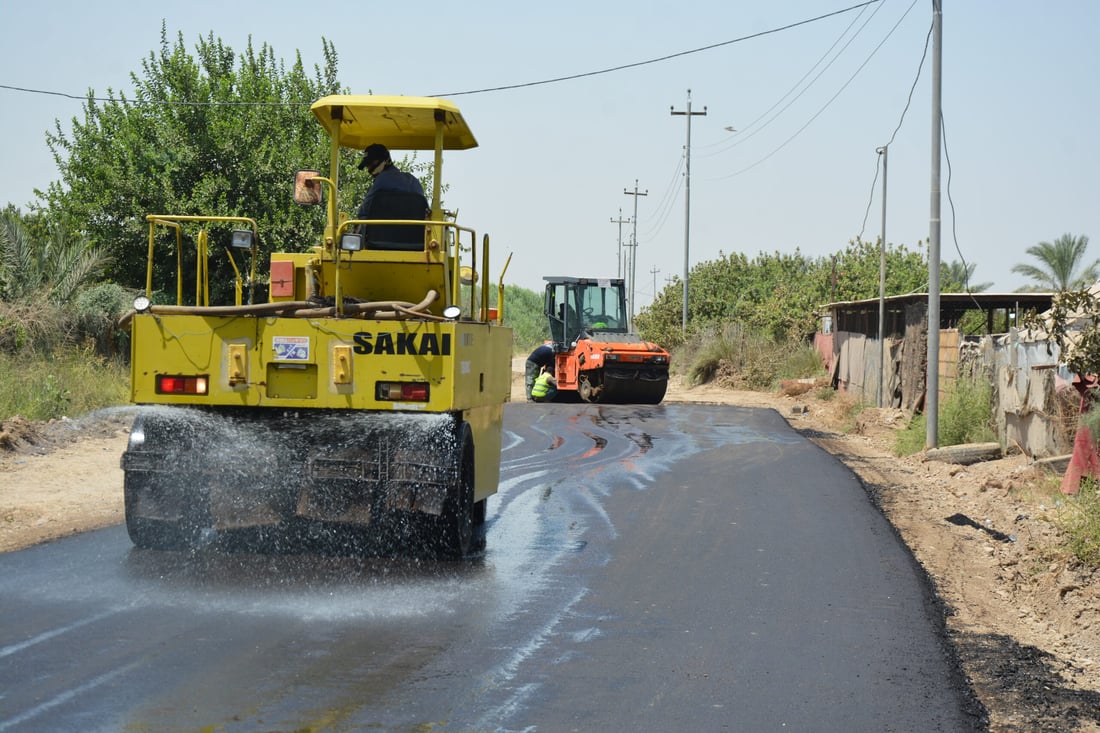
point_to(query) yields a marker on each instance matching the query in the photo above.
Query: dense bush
(751, 360)
(776, 295)
(49, 294)
(965, 416)
(1080, 519)
(96, 312)
(66, 382)
(523, 313)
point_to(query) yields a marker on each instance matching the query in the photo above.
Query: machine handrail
(202, 284)
(462, 238)
(454, 258)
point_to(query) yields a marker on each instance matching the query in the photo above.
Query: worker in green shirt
(545, 387)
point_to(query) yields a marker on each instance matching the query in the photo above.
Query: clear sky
(808, 107)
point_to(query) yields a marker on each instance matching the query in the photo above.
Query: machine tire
(460, 525)
(154, 533)
(634, 391)
(157, 534)
(655, 397)
(481, 509)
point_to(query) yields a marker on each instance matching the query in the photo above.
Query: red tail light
(402, 391)
(181, 384)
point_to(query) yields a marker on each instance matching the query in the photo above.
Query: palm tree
(955, 274)
(1059, 261)
(49, 270)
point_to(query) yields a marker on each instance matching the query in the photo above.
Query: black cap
(373, 155)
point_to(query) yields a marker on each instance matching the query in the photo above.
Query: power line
(954, 219)
(660, 58)
(827, 104)
(667, 212)
(668, 198)
(909, 101)
(871, 199)
(159, 103)
(913, 88)
(741, 138)
(571, 77)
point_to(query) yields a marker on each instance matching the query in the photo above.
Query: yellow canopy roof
(399, 123)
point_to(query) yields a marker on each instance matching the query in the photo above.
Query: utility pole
(687, 201)
(882, 287)
(654, 272)
(620, 221)
(932, 376)
(633, 269)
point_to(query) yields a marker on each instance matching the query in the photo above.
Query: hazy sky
(809, 106)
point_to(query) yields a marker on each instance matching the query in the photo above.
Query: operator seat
(389, 204)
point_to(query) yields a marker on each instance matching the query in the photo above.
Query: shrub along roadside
(966, 416)
(759, 362)
(67, 382)
(1079, 518)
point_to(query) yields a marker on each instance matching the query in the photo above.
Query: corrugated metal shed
(1003, 311)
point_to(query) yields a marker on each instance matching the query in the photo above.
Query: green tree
(52, 270)
(523, 314)
(214, 133)
(955, 277)
(1061, 265)
(775, 295)
(853, 273)
(1073, 326)
(44, 280)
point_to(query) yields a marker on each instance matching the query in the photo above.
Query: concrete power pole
(633, 269)
(620, 221)
(932, 377)
(882, 287)
(654, 272)
(687, 201)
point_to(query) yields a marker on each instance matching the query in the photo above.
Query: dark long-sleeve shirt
(390, 178)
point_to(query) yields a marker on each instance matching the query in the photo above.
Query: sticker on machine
(290, 348)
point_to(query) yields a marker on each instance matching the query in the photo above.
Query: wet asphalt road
(663, 568)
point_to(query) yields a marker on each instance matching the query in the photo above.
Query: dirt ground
(1024, 618)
